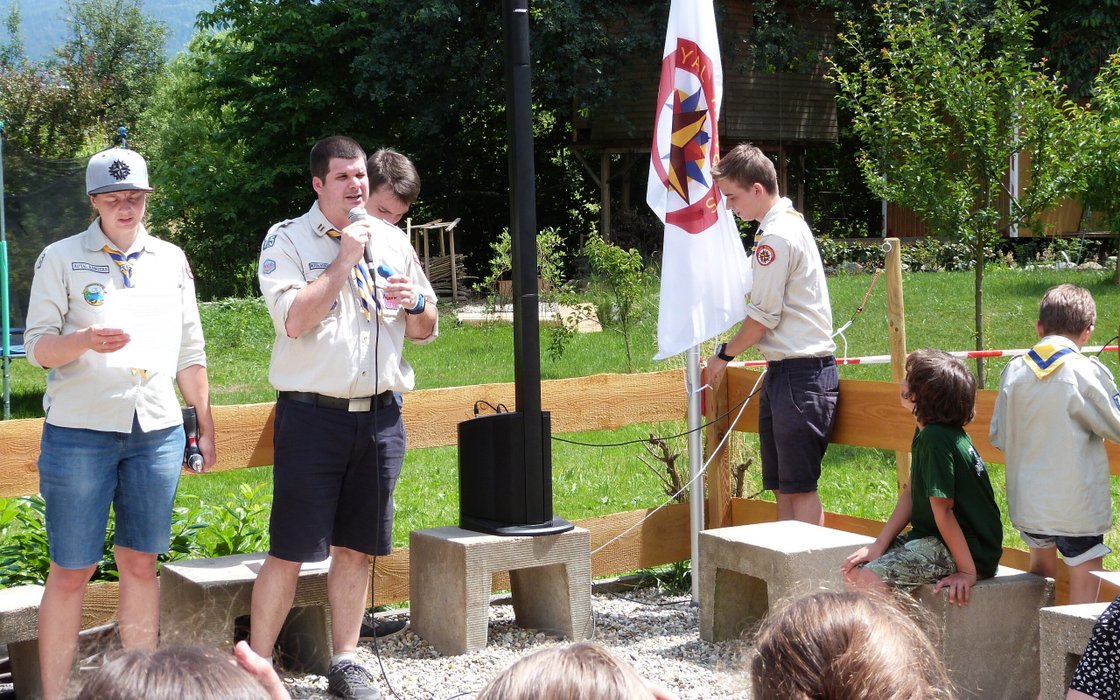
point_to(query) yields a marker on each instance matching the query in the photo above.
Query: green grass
(590, 481)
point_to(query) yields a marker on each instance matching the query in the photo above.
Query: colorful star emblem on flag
(689, 151)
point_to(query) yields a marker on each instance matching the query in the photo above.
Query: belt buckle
(359, 405)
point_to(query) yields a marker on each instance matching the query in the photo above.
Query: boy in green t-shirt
(956, 536)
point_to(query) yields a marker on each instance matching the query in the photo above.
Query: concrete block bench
(19, 629)
(746, 569)
(991, 645)
(201, 599)
(1064, 631)
(450, 579)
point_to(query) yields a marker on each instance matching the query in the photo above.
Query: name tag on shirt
(89, 267)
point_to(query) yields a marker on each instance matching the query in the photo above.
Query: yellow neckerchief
(1045, 358)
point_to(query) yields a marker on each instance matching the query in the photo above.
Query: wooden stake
(896, 319)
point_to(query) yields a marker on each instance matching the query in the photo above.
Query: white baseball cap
(116, 169)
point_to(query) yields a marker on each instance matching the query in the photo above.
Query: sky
(43, 24)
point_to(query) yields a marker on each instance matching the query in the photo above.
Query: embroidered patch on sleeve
(268, 266)
(1116, 400)
(765, 255)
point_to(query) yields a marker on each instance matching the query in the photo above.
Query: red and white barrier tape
(963, 354)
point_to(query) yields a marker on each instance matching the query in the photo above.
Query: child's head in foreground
(581, 671)
(842, 646)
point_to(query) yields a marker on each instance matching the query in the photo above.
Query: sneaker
(373, 627)
(347, 679)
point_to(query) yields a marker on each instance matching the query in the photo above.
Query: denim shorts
(82, 472)
(795, 419)
(1075, 550)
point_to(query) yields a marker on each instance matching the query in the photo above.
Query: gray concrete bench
(19, 629)
(746, 569)
(201, 599)
(1064, 631)
(991, 645)
(450, 579)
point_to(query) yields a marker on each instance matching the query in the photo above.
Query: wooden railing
(869, 416)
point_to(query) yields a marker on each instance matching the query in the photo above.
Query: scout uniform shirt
(790, 295)
(345, 355)
(73, 277)
(1051, 429)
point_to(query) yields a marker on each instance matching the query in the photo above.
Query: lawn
(591, 481)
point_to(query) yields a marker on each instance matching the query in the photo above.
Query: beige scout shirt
(790, 295)
(345, 356)
(72, 279)
(1052, 434)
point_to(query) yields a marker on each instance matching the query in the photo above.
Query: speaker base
(493, 527)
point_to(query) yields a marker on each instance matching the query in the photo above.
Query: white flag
(705, 274)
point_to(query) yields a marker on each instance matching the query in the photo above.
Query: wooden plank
(719, 462)
(244, 433)
(869, 415)
(896, 328)
(19, 454)
(598, 402)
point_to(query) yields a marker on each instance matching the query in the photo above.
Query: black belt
(821, 362)
(382, 400)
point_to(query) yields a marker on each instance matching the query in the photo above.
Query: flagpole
(695, 468)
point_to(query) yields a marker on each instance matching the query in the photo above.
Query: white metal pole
(695, 466)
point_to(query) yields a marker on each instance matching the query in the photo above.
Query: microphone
(354, 216)
(192, 455)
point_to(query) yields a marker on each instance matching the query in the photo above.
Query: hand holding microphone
(398, 289)
(354, 216)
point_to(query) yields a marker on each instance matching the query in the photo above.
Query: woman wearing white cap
(113, 433)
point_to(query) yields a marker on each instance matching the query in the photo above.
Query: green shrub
(198, 531)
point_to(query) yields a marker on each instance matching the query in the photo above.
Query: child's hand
(960, 586)
(860, 556)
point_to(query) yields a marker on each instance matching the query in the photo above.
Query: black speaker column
(505, 459)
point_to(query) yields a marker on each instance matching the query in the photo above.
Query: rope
(699, 473)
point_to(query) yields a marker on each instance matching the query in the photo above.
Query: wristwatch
(722, 354)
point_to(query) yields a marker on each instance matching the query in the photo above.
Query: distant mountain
(43, 23)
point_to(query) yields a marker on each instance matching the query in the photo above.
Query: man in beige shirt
(343, 297)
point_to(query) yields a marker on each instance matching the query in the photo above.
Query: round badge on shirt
(764, 255)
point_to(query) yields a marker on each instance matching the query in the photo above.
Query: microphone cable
(377, 493)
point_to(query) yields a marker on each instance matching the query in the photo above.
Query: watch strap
(721, 353)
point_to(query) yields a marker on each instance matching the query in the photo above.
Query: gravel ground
(659, 635)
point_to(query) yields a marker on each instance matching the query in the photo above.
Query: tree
(942, 105)
(102, 78)
(1103, 191)
(273, 77)
(1077, 37)
(120, 49)
(11, 51)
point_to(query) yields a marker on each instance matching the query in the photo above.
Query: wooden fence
(869, 416)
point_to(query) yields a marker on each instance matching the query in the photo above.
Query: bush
(198, 531)
(933, 254)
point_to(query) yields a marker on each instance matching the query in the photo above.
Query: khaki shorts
(911, 563)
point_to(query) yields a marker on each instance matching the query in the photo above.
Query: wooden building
(784, 112)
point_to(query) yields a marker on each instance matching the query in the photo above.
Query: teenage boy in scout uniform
(343, 297)
(789, 318)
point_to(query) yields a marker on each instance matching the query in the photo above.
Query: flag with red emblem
(705, 275)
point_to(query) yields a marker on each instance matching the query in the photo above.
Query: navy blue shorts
(1076, 550)
(333, 479)
(795, 419)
